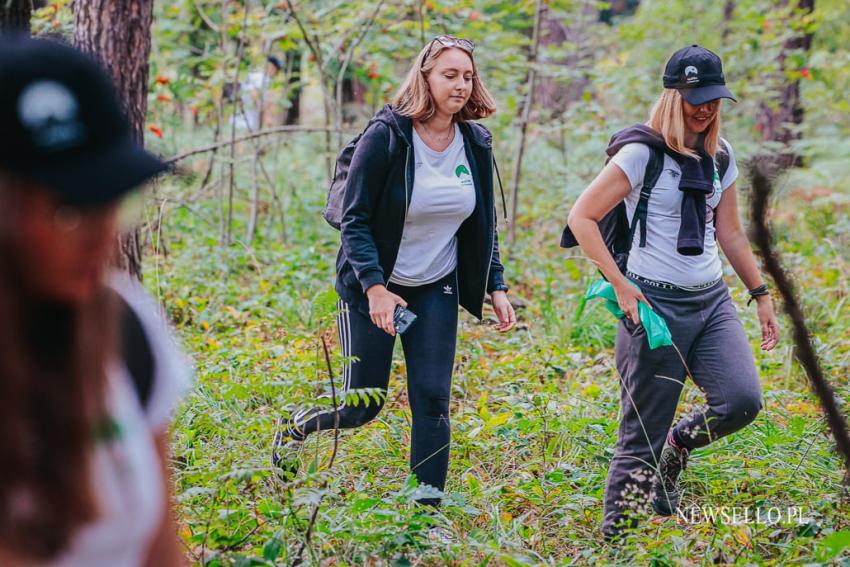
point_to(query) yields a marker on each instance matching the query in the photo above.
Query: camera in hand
(402, 319)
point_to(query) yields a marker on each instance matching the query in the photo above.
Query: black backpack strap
(501, 189)
(653, 171)
(136, 352)
(722, 159)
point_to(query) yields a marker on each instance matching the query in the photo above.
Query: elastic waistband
(672, 287)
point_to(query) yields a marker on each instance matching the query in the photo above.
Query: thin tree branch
(312, 44)
(257, 134)
(206, 19)
(235, 84)
(539, 8)
(314, 514)
(344, 67)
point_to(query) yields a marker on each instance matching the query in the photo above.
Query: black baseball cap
(274, 61)
(62, 124)
(697, 74)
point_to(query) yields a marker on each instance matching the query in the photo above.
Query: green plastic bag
(657, 332)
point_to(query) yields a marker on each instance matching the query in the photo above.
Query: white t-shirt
(443, 197)
(659, 260)
(127, 471)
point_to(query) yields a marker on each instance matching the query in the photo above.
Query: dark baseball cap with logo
(62, 124)
(697, 74)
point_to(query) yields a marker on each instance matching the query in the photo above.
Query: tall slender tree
(15, 15)
(118, 32)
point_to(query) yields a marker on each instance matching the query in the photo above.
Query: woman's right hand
(382, 304)
(628, 297)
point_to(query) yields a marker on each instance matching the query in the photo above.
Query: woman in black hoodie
(418, 231)
(677, 177)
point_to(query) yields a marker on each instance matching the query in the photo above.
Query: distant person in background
(674, 266)
(418, 231)
(89, 375)
(253, 93)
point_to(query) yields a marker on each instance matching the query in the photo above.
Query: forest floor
(534, 412)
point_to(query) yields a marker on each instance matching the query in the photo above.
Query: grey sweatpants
(707, 331)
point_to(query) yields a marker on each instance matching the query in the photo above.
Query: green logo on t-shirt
(461, 169)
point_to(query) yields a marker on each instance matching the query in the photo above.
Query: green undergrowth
(534, 412)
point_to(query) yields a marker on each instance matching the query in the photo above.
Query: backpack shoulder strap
(653, 171)
(136, 351)
(723, 158)
(501, 189)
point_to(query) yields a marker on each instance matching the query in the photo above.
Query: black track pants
(429, 351)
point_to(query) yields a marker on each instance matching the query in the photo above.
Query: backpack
(616, 231)
(136, 352)
(332, 213)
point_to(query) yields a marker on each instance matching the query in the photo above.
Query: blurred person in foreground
(89, 374)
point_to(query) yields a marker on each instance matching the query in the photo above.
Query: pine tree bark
(779, 122)
(15, 15)
(118, 33)
(556, 94)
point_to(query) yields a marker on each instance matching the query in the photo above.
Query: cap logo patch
(691, 74)
(51, 113)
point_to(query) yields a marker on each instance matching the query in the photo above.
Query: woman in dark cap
(676, 176)
(88, 372)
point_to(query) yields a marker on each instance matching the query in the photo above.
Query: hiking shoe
(286, 449)
(666, 490)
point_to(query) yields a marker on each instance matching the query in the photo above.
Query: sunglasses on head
(449, 41)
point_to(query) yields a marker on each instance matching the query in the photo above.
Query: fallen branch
(762, 188)
(257, 134)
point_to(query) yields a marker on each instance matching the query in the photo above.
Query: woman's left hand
(504, 311)
(767, 322)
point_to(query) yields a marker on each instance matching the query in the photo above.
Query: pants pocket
(631, 328)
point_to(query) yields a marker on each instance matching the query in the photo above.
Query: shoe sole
(661, 508)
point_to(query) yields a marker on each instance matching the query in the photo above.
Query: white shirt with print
(659, 260)
(127, 474)
(443, 197)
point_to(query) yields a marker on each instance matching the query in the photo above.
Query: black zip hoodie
(696, 183)
(377, 194)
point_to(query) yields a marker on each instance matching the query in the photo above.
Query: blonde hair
(668, 118)
(414, 99)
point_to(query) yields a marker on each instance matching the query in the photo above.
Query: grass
(534, 412)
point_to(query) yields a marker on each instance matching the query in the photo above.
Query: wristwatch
(500, 287)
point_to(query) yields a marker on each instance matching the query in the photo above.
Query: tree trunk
(118, 33)
(556, 94)
(549, 91)
(15, 15)
(779, 122)
(293, 89)
(618, 8)
(728, 17)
